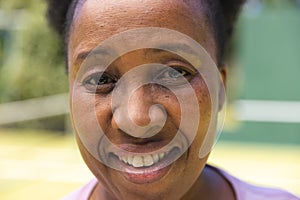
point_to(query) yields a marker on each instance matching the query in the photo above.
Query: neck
(207, 184)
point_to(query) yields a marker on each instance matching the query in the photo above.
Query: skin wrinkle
(95, 23)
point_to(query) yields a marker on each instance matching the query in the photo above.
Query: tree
(34, 64)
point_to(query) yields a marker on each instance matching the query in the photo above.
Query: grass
(42, 165)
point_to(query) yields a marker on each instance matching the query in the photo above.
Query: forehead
(96, 20)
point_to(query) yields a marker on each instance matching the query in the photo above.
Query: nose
(138, 115)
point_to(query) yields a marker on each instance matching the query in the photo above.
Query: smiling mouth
(139, 161)
(145, 168)
(144, 162)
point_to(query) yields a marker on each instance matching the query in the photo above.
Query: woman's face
(137, 130)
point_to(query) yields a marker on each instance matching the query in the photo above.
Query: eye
(99, 83)
(174, 76)
(176, 73)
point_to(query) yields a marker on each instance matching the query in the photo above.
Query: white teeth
(148, 160)
(124, 159)
(130, 160)
(161, 155)
(142, 161)
(155, 158)
(137, 161)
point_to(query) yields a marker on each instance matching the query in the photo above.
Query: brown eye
(99, 83)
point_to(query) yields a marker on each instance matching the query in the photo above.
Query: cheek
(205, 109)
(189, 109)
(203, 98)
(170, 103)
(97, 168)
(103, 111)
(86, 122)
(90, 109)
(207, 132)
(90, 117)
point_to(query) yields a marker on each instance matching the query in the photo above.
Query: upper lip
(149, 148)
(146, 147)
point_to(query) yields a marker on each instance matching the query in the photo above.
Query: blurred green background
(261, 138)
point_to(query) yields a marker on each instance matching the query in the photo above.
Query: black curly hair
(222, 15)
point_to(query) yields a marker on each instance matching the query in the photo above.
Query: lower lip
(146, 175)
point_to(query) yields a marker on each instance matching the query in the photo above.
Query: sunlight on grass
(39, 165)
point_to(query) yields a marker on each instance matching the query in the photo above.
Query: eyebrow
(174, 47)
(98, 51)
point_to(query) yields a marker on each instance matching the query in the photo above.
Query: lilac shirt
(243, 190)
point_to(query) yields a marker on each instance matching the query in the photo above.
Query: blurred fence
(33, 109)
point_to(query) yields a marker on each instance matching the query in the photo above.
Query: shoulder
(247, 191)
(82, 193)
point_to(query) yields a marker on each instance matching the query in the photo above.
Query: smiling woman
(147, 92)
